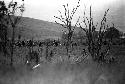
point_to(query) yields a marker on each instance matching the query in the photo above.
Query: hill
(38, 29)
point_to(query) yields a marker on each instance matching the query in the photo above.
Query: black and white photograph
(62, 41)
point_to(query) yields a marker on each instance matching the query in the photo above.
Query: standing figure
(32, 58)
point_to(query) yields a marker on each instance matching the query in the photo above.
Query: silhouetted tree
(94, 38)
(3, 26)
(10, 16)
(112, 32)
(66, 22)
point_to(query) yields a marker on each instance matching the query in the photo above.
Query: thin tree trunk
(12, 44)
(47, 52)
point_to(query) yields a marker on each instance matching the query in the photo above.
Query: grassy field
(86, 72)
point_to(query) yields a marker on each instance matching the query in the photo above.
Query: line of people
(30, 43)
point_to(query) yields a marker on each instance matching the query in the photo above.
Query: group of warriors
(29, 43)
(33, 56)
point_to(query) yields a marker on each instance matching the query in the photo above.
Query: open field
(81, 44)
(87, 72)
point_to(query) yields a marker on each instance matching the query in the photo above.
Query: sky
(47, 9)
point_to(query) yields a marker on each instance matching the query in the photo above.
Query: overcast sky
(47, 9)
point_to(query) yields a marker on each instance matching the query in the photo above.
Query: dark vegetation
(88, 45)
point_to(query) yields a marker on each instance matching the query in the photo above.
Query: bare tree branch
(67, 21)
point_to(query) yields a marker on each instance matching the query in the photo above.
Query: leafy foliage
(9, 17)
(112, 32)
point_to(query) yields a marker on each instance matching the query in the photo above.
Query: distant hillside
(39, 29)
(40, 24)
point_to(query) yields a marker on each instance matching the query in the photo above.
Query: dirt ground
(64, 73)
